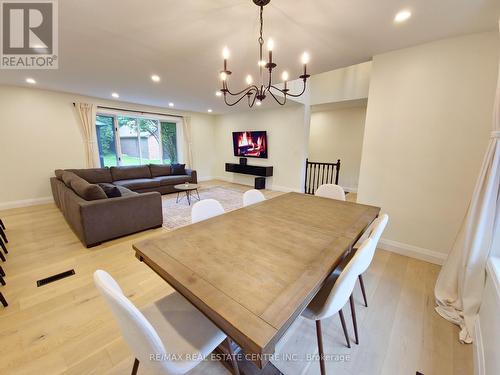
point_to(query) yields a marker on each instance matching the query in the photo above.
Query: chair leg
(2, 233)
(2, 272)
(3, 300)
(362, 284)
(136, 367)
(342, 320)
(2, 245)
(354, 322)
(4, 249)
(2, 224)
(320, 348)
(234, 362)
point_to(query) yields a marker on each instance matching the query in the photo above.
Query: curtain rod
(138, 112)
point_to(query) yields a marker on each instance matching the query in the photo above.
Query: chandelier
(256, 93)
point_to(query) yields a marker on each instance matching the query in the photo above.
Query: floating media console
(254, 170)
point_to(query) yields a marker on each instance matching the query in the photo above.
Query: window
(136, 140)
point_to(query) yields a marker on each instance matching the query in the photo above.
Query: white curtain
(459, 287)
(187, 143)
(87, 115)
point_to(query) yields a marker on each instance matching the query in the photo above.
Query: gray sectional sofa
(101, 204)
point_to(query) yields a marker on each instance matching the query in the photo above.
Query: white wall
(338, 134)
(349, 83)
(428, 123)
(39, 133)
(287, 129)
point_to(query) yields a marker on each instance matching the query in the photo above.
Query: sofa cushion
(67, 177)
(130, 172)
(59, 173)
(138, 183)
(111, 190)
(160, 170)
(172, 180)
(89, 192)
(93, 175)
(178, 169)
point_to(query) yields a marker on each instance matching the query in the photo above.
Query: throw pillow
(110, 190)
(178, 169)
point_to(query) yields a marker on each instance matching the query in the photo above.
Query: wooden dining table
(252, 271)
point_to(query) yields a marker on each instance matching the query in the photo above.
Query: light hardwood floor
(65, 327)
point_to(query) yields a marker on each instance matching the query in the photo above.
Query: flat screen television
(250, 144)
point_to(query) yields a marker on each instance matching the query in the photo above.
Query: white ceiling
(115, 45)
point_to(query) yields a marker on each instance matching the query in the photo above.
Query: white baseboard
(206, 178)
(271, 187)
(478, 353)
(412, 251)
(25, 202)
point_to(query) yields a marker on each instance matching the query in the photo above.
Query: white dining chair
(252, 196)
(169, 336)
(331, 191)
(378, 227)
(206, 209)
(335, 293)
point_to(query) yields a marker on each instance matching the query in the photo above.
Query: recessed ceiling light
(218, 93)
(31, 81)
(402, 16)
(170, 104)
(155, 78)
(209, 110)
(115, 95)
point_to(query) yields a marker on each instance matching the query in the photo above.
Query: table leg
(188, 195)
(198, 194)
(177, 200)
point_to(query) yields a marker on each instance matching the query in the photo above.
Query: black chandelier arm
(275, 98)
(251, 104)
(245, 90)
(288, 93)
(239, 99)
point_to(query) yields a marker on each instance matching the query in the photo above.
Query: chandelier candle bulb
(249, 79)
(225, 55)
(270, 46)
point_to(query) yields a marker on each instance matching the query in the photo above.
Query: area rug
(176, 215)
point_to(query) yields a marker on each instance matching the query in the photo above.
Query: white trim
(493, 271)
(25, 202)
(478, 354)
(206, 178)
(412, 251)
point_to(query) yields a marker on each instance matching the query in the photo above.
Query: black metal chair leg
(2, 233)
(3, 300)
(354, 322)
(321, 353)
(2, 224)
(2, 281)
(362, 284)
(4, 249)
(342, 320)
(136, 367)
(2, 272)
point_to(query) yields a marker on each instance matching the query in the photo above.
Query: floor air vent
(53, 278)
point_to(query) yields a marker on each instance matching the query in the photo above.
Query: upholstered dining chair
(169, 336)
(335, 293)
(331, 191)
(206, 209)
(252, 196)
(378, 227)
